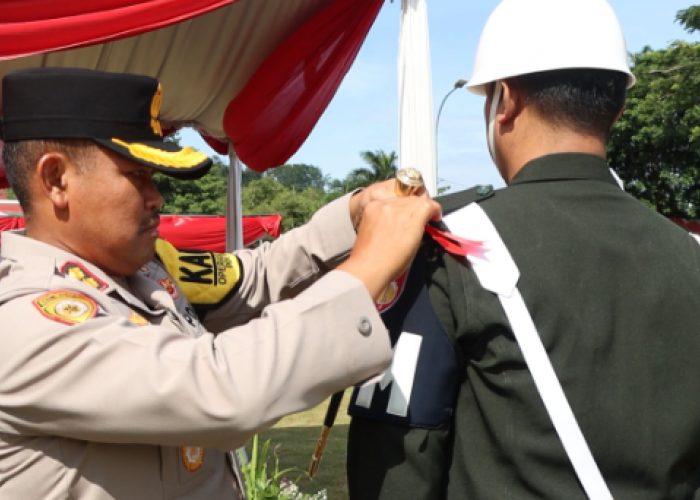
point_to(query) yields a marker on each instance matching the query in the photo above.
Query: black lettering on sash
(197, 276)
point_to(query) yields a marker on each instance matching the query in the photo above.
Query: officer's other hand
(388, 236)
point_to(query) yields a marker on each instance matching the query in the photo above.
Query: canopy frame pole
(234, 205)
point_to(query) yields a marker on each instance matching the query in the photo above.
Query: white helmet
(529, 36)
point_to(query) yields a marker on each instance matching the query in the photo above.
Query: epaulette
(455, 201)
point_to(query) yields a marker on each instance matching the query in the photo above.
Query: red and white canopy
(257, 74)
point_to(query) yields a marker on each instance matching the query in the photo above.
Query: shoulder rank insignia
(66, 307)
(391, 293)
(205, 278)
(78, 272)
(192, 457)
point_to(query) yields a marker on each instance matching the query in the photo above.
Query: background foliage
(655, 146)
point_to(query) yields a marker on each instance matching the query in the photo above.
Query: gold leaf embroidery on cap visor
(185, 158)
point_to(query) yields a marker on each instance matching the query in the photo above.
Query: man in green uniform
(575, 329)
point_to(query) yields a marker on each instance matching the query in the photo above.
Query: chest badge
(66, 307)
(192, 457)
(391, 293)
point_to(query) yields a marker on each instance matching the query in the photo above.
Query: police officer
(574, 329)
(128, 368)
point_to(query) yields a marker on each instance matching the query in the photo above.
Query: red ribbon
(454, 244)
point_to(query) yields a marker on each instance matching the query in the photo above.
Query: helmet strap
(495, 101)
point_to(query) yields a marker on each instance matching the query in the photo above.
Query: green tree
(299, 176)
(204, 196)
(655, 146)
(689, 18)
(267, 196)
(248, 176)
(381, 166)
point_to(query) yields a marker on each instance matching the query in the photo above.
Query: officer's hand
(374, 192)
(388, 237)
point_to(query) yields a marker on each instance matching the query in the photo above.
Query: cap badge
(155, 111)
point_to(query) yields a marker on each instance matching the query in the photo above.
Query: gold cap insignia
(66, 307)
(192, 457)
(155, 111)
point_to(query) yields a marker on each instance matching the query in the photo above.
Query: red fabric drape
(209, 233)
(8, 223)
(35, 26)
(190, 232)
(273, 115)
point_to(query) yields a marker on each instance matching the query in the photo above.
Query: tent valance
(257, 73)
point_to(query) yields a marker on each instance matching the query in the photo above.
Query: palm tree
(382, 166)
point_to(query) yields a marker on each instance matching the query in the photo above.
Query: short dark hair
(584, 100)
(21, 157)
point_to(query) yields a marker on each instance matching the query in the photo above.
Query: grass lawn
(297, 435)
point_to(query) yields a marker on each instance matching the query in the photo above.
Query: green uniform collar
(564, 166)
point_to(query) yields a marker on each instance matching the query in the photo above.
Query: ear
(511, 103)
(52, 171)
(619, 114)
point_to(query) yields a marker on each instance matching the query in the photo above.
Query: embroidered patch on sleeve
(78, 272)
(66, 307)
(206, 279)
(391, 293)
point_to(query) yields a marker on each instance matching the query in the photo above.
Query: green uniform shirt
(614, 291)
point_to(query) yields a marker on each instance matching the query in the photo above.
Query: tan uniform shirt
(114, 390)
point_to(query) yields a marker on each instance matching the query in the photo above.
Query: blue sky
(364, 113)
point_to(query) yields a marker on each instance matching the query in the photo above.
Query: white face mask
(495, 101)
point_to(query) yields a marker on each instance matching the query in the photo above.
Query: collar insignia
(169, 287)
(78, 272)
(137, 319)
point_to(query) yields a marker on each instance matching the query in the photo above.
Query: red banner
(195, 232)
